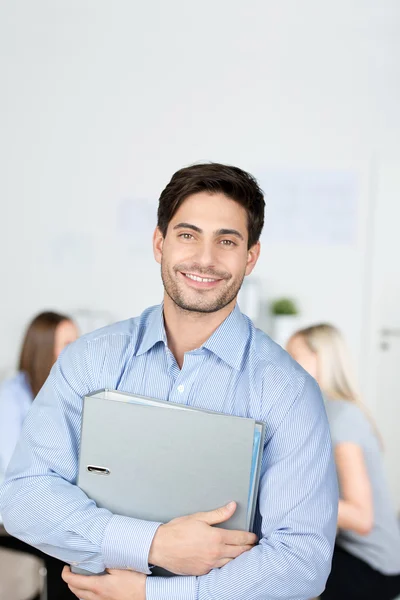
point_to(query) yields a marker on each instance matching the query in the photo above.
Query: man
(197, 348)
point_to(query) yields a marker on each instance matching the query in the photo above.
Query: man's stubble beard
(173, 290)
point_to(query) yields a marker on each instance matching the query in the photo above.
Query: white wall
(104, 101)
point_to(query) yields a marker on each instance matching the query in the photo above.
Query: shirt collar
(154, 331)
(228, 342)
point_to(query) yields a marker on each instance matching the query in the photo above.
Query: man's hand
(191, 546)
(115, 585)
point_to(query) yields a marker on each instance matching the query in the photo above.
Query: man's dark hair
(213, 177)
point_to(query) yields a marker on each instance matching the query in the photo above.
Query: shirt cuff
(126, 543)
(165, 588)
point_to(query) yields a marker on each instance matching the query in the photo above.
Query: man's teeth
(201, 279)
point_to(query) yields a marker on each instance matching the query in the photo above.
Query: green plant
(284, 306)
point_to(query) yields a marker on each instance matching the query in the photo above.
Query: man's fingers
(219, 515)
(83, 594)
(235, 551)
(222, 562)
(77, 581)
(65, 572)
(78, 593)
(80, 582)
(238, 538)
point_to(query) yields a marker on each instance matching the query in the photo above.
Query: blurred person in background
(366, 561)
(45, 338)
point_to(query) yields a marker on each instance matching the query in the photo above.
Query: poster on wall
(310, 207)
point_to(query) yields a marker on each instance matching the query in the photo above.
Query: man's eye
(186, 236)
(228, 243)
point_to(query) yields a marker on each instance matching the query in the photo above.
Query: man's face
(204, 256)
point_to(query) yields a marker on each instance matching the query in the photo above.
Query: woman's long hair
(37, 354)
(335, 375)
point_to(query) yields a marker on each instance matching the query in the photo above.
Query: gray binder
(156, 460)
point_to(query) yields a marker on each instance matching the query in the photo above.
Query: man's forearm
(72, 528)
(270, 570)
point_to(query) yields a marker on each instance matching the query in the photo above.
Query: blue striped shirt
(238, 371)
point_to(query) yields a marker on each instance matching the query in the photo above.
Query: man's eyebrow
(219, 232)
(188, 226)
(229, 232)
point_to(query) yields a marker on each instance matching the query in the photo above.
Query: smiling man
(197, 349)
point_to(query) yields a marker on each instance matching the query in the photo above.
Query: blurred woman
(45, 338)
(366, 561)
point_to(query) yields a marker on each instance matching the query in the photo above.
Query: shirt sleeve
(166, 588)
(39, 501)
(298, 501)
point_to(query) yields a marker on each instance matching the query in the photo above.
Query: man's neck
(187, 330)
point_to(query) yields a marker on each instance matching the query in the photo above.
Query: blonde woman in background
(366, 561)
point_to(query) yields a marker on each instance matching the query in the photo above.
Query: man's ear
(158, 242)
(252, 257)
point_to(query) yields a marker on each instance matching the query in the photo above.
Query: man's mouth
(200, 279)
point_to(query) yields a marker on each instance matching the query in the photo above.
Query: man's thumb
(219, 515)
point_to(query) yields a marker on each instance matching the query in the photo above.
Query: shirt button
(181, 388)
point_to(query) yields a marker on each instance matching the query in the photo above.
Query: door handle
(386, 334)
(390, 332)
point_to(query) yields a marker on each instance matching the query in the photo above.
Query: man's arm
(39, 502)
(41, 505)
(298, 510)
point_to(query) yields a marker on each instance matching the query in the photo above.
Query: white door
(382, 388)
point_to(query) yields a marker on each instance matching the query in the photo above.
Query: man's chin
(201, 307)
(197, 308)
(191, 305)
